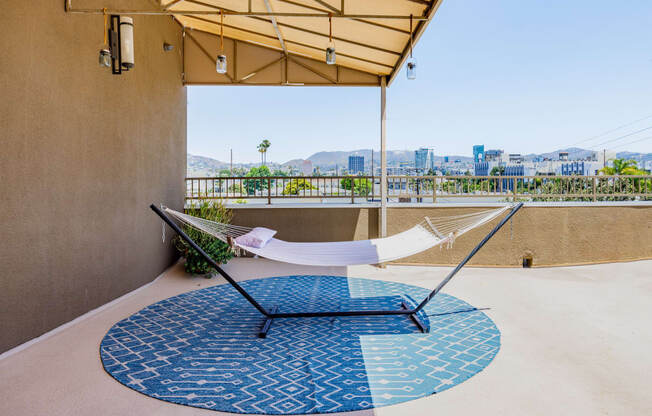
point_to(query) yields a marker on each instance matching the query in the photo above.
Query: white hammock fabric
(427, 234)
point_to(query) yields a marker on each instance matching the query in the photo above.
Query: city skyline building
(493, 155)
(306, 167)
(424, 158)
(516, 158)
(356, 164)
(478, 153)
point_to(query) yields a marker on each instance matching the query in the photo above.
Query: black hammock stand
(273, 313)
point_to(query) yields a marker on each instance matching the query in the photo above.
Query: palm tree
(262, 148)
(622, 167)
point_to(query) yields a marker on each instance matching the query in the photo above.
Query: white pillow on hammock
(258, 237)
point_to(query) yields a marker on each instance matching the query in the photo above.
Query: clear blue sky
(521, 75)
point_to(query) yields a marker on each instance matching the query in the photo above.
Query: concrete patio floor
(575, 340)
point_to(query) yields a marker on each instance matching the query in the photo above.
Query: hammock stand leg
(268, 322)
(468, 257)
(271, 314)
(210, 261)
(415, 318)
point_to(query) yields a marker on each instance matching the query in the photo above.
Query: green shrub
(219, 251)
(296, 186)
(361, 186)
(237, 188)
(258, 181)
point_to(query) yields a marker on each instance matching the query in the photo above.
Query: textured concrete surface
(84, 153)
(575, 340)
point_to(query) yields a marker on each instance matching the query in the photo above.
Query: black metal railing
(421, 188)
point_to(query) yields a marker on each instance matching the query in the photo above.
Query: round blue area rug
(201, 348)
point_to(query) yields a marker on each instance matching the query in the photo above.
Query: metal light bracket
(115, 42)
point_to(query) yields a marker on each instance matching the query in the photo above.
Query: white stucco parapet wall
(439, 205)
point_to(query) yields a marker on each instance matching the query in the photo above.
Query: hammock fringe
(430, 232)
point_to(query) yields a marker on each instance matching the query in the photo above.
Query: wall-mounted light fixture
(105, 53)
(330, 49)
(411, 62)
(220, 63)
(121, 45)
(127, 42)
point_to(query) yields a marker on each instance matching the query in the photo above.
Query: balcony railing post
(352, 190)
(595, 189)
(434, 189)
(269, 191)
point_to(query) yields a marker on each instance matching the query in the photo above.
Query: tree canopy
(298, 186)
(253, 185)
(623, 167)
(262, 148)
(497, 171)
(361, 186)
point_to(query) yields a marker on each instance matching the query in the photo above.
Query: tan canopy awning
(283, 42)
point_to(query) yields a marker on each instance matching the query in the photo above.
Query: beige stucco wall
(552, 235)
(312, 224)
(82, 154)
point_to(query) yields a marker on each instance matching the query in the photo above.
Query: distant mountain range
(201, 165)
(206, 166)
(198, 166)
(328, 160)
(573, 153)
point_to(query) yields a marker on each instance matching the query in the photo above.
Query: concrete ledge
(552, 234)
(437, 205)
(525, 204)
(310, 205)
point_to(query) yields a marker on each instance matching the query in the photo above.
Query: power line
(632, 142)
(612, 130)
(622, 126)
(596, 146)
(626, 135)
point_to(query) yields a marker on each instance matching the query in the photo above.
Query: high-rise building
(580, 167)
(478, 153)
(490, 159)
(424, 159)
(481, 169)
(356, 164)
(493, 155)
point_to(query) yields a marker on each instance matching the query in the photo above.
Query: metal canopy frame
(376, 44)
(273, 313)
(275, 69)
(286, 47)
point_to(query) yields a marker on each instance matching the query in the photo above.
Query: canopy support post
(382, 217)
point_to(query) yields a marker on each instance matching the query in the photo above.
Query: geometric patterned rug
(201, 348)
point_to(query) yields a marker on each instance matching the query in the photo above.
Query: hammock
(427, 234)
